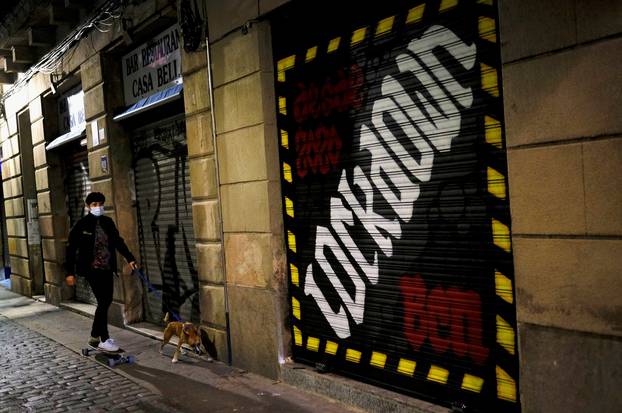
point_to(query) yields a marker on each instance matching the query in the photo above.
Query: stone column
(26, 260)
(53, 217)
(14, 202)
(251, 198)
(205, 201)
(110, 160)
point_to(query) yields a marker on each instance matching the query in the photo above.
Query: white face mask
(97, 211)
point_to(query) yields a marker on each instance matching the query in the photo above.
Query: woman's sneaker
(108, 345)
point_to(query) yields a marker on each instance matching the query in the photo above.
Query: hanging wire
(105, 15)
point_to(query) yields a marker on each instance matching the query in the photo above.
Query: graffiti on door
(319, 148)
(395, 211)
(77, 187)
(165, 217)
(429, 130)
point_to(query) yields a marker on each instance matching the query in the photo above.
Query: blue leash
(156, 293)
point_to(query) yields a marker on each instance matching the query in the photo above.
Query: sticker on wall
(395, 203)
(101, 135)
(103, 162)
(94, 133)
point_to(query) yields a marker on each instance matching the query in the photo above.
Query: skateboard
(112, 358)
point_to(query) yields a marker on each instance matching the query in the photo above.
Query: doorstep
(156, 332)
(87, 310)
(115, 312)
(354, 393)
(145, 329)
(142, 328)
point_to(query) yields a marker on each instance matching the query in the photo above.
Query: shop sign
(71, 110)
(152, 67)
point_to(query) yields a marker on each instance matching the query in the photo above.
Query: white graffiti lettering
(372, 221)
(430, 124)
(340, 217)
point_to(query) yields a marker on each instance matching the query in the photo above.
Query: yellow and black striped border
(497, 186)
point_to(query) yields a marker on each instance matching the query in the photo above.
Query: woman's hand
(70, 280)
(133, 265)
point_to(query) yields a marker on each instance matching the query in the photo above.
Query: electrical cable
(49, 63)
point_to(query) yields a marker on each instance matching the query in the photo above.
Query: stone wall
(101, 96)
(51, 200)
(241, 200)
(250, 187)
(562, 79)
(48, 178)
(562, 85)
(14, 211)
(205, 200)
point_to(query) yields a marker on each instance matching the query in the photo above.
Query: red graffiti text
(318, 144)
(318, 150)
(451, 319)
(333, 95)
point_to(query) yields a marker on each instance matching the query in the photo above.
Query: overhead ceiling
(6, 6)
(30, 28)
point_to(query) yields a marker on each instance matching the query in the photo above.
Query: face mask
(97, 211)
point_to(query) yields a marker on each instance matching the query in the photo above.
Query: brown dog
(187, 332)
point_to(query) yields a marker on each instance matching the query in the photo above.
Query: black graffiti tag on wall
(164, 212)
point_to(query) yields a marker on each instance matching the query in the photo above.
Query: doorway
(33, 235)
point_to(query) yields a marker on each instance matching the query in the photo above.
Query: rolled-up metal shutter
(164, 210)
(395, 197)
(77, 187)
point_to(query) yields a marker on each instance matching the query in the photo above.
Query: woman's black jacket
(79, 257)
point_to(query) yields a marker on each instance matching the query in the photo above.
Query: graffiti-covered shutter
(164, 211)
(77, 187)
(395, 198)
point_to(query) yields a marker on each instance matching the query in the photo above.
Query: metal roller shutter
(164, 210)
(395, 198)
(77, 187)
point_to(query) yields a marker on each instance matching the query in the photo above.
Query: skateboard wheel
(85, 352)
(111, 363)
(131, 359)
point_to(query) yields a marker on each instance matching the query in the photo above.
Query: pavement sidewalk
(192, 385)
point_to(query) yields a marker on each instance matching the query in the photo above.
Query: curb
(158, 405)
(354, 393)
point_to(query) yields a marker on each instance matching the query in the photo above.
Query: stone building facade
(227, 238)
(563, 127)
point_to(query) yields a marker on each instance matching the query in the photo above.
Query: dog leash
(158, 295)
(156, 292)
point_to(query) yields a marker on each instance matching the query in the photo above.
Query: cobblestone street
(42, 370)
(40, 375)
